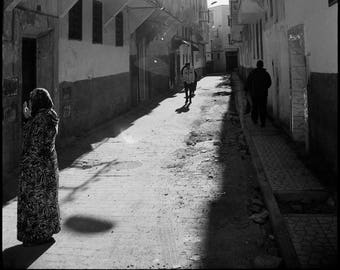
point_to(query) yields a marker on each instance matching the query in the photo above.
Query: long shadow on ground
(231, 238)
(20, 257)
(82, 145)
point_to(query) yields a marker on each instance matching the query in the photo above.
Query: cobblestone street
(161, 188)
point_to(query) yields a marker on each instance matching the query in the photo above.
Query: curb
(280, 230)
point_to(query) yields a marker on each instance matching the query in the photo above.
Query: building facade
(297, 40)
(221, 51)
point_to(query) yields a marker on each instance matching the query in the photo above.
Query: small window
(75, 21)
(254, 40)
(218, 56)
(261, 41)
(332, 2)
(257, 41)
(97, 23)
(119, 30)
(271, 7)
(276, 12)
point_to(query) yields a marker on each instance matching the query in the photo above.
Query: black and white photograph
(169, 134)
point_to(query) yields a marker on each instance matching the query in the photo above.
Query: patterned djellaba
(38, 209)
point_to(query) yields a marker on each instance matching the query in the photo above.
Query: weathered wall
(321, 31)
(321, 41)
(320, 59)
(93, 78)
(323, 115)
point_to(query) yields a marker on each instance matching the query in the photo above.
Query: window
(276, 11)
(271, 7)
(332, 2)
(257, 40)
(261, 42)
(229, 39)
(97, 22)
(75, 21)
(119, 30)
(253, 40)
(218, 56)
(229, 20)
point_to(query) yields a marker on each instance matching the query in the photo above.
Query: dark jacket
(258, 82)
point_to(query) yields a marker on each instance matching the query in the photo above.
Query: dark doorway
(231, 61)
(178, 66)
(29, 67)
(172, 69)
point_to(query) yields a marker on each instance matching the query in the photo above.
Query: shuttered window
(97, 22)
(75, 21)
(119, 29)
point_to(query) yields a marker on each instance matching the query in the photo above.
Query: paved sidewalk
(314, 236)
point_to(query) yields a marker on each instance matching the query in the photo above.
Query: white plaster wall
(83, 60)
(80, 60)
(321, 37)
(275, 50)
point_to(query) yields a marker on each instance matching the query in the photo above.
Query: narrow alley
(159, 187)
(169, 134)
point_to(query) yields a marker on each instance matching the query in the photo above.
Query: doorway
(231, 60)
(142, 78)
(29, 67)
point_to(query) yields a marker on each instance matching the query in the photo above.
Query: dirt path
(166, 188)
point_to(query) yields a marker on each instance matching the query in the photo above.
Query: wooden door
(298, 83)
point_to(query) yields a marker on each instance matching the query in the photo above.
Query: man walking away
(257, 84)
(188, 74)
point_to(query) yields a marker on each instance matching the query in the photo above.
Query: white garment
(189, 75)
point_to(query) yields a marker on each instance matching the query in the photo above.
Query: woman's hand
(26, 110)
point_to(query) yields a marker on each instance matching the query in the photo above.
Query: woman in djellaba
(38, 210)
